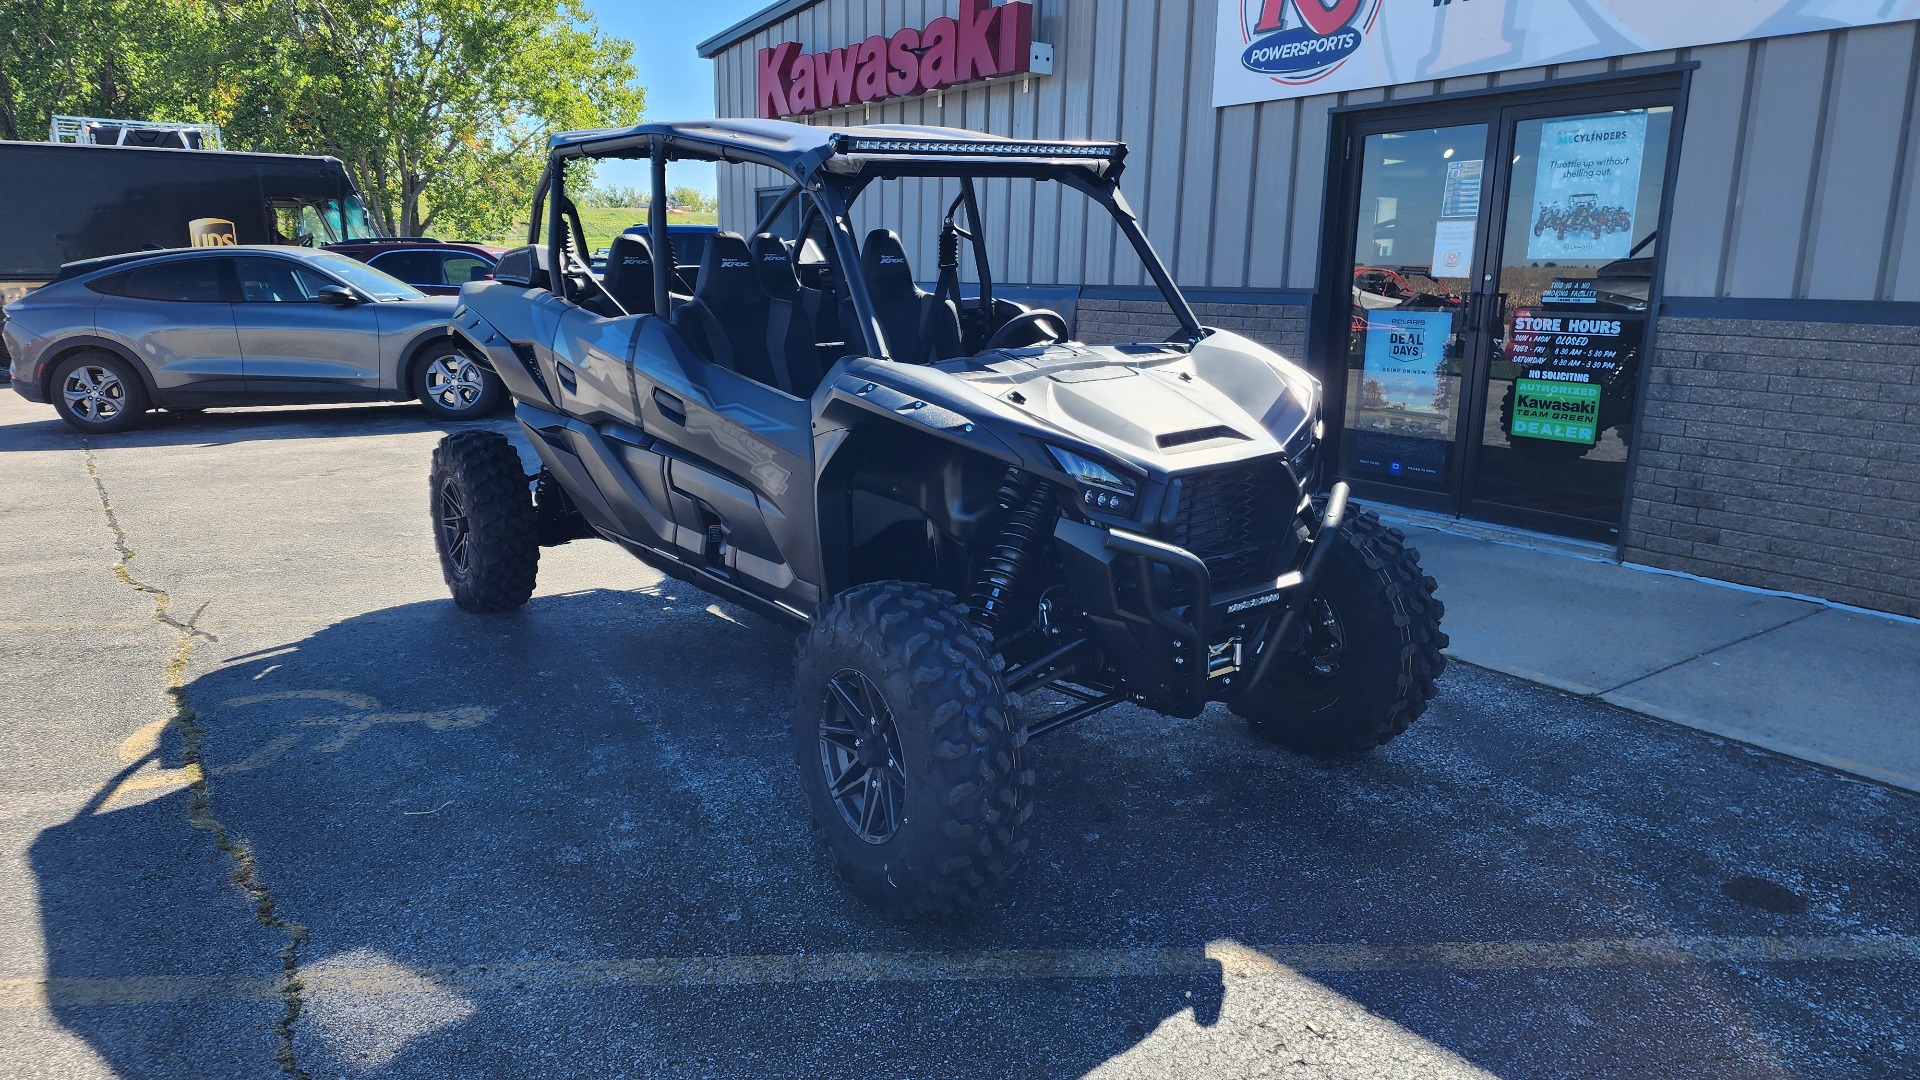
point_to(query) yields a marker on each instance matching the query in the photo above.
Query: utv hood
(1166, 405)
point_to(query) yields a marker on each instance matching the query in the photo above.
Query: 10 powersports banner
(1271, 49)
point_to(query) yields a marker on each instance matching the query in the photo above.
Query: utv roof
(801, 149)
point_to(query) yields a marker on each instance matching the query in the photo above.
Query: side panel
(184, 346)
(80, 202)
(741, 458)
(496, 319)
(294, 346)
(592, 374)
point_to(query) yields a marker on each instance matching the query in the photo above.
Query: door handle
(568, 380)
(670, 407)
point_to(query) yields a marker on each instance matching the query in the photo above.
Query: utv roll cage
(830, 169)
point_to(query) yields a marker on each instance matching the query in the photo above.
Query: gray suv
(111, 338)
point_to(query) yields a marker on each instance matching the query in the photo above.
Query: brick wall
(1280, 328)
(1784, 455)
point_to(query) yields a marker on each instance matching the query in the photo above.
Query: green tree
(693, 199)
(103, 58)
(439, 107)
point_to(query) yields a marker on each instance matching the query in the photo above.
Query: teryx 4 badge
(1303, 41)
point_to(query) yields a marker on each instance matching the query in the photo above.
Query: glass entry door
(1574, 286)
(1408, 335)
(1502, 270)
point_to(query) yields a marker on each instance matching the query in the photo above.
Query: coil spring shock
(949, 248)
(1006, 569)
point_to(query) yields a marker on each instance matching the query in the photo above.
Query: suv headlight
(1101, 487)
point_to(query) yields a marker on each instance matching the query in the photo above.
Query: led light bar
(846, 144)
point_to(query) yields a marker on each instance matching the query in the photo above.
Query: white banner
(1271, 49)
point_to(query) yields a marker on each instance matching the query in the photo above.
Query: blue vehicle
(689, 247)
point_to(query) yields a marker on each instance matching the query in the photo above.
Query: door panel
(593, 369)
(188, 347)
(732, 440)
(293, 343)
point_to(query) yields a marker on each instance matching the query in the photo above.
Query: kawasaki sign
(983, 41)
(1269, 49)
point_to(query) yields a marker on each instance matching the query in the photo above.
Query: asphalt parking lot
(267, 799)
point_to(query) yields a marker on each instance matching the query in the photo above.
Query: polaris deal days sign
(1271, 49)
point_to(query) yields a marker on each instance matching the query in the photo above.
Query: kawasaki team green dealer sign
(1561, 411)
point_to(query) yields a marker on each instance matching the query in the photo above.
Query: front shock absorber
(1006, 570)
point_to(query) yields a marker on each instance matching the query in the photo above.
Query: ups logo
(211, 232)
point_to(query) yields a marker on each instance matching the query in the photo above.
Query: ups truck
(67, 202)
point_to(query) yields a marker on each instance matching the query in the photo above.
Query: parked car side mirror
(336, 295)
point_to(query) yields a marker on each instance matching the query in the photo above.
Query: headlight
(1101, 488)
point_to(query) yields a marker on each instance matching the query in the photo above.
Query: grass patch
(603, 224)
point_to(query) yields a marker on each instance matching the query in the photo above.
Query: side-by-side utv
(953, 501)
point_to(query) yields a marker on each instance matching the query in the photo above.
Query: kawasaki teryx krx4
(954, 501)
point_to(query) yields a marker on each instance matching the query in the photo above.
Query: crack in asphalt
(246, 871)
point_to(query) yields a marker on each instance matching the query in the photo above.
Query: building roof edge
(750, 25)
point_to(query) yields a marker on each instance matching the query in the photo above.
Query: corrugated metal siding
(1796, 178)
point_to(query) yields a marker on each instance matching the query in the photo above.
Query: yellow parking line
(1227, 959)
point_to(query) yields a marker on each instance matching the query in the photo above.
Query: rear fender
(50, 357)
(613, 477)
(498, 321)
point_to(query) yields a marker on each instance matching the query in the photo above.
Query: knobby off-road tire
(483, 523)
(1373, 649)
(944, 757)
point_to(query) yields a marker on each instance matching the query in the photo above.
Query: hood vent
(1193, 437)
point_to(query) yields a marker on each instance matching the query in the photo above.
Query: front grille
(1235, 519)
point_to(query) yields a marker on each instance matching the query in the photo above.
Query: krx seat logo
(1303, 41)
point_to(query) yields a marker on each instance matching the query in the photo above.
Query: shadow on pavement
(569, 841)
(227, 426)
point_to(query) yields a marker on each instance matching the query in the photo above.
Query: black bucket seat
(628, 277)
(733, 323)
(819, 323)
(921, 328)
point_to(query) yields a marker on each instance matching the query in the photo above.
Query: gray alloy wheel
(96, 392)
(454, 381)
(454, 386)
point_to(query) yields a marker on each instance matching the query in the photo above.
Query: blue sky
(679, 84)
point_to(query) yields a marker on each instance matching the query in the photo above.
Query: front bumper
(1168, 638)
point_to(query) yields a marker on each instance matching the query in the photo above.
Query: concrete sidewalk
(1831, 685)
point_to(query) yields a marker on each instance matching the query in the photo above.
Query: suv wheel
(909, 751)
(1371, 655)
(483, 519)
(97, 393)
(453, 385)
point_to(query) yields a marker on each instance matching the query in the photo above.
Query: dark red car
(435, 267)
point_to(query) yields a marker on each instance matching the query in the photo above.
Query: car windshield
(365, 278)
(312, 222)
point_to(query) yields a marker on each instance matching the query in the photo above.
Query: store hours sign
(1270, 49)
